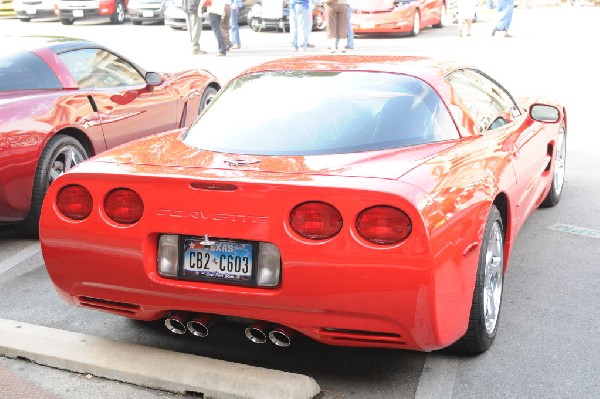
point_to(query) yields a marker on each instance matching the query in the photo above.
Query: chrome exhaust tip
(200, 324)
(281, 336)
(176, 323)
(257, 332)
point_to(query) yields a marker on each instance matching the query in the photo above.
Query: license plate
(147, 13)
(31, 10)
(215, 259)
(367, 25)
(78, 13)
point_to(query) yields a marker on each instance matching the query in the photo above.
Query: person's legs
(294, 27)
(235, 28)
(302, 17)
(330, 17)
(224, 25)
(350, 41)
(194, 23)
(215, 25)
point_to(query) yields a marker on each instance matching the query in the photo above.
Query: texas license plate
(78, 13)
(147, 13)
(216, 259)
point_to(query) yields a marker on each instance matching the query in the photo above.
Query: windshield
(316, 113)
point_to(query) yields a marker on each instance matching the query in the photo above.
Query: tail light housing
(74, 202)
(124, 206)
(383, 225)
(316, 220)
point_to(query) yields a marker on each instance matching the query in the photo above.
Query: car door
(495, 112)
(128, 107)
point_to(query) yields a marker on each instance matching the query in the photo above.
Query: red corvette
(397, 16)
(380, 213)
(64, 100)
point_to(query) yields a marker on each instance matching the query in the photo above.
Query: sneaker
(310, 45)
(236, 47)
(294, 49)
(349, 48)
(220, 54)
(198, 51)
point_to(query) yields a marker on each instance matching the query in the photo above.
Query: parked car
(381, 213)
(140, 11)
(397, 16)
(26, 10)
(6, 8)
(69, 11)
(175, 16)
(64, 100)
(257, 22)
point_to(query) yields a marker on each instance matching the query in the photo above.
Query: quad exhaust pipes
(180, 323)
(199, 325)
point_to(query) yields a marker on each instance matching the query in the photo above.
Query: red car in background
(65, 100)
(381, 213)
(69, 11)
(397, 16)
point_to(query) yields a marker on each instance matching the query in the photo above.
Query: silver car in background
(26, 10)
(146, 11)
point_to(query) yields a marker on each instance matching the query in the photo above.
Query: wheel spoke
(493, 277)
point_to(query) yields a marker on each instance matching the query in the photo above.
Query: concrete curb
(149, 367)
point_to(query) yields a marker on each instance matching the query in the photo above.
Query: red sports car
(397, 16)
(64, 100)
(380, 212)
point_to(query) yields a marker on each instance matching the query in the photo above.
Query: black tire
(558, 171)
(416, 24)
(136, 22)
(60, 154)
(487, 296)
(207, 97)
(25, 19)
(119, 15)
(66, 21)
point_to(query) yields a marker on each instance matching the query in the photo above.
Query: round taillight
(75, 202)
(316, 220)
(383, 225)
(124, 206)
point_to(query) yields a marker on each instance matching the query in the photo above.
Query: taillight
(124, 206)
(316, 220)
(383, 225)
(75, 202)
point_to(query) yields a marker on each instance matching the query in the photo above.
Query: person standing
(350, 41)
(505, 10)
(336, 15)
(193, 19)
(299, 13)
(236, 5)
(466, 15)
(216, 10)
(225, 18)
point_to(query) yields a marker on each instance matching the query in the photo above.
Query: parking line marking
(19, 257)
(437, 378)
(582, 231)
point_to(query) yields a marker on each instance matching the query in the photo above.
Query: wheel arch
(77, 135)
(502, 204)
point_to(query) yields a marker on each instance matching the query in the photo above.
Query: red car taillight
(383, 225)
(75, 202)
(316, 220)
(124, 206)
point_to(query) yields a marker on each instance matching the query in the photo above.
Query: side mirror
(153, 79)
(544, 113)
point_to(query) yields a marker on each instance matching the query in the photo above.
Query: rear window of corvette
(26, 71)
(318, 113)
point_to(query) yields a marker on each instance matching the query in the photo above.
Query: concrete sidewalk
(143, 366)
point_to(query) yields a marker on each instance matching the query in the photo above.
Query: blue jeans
(235, 27)
(298, 16)
(215, 25)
